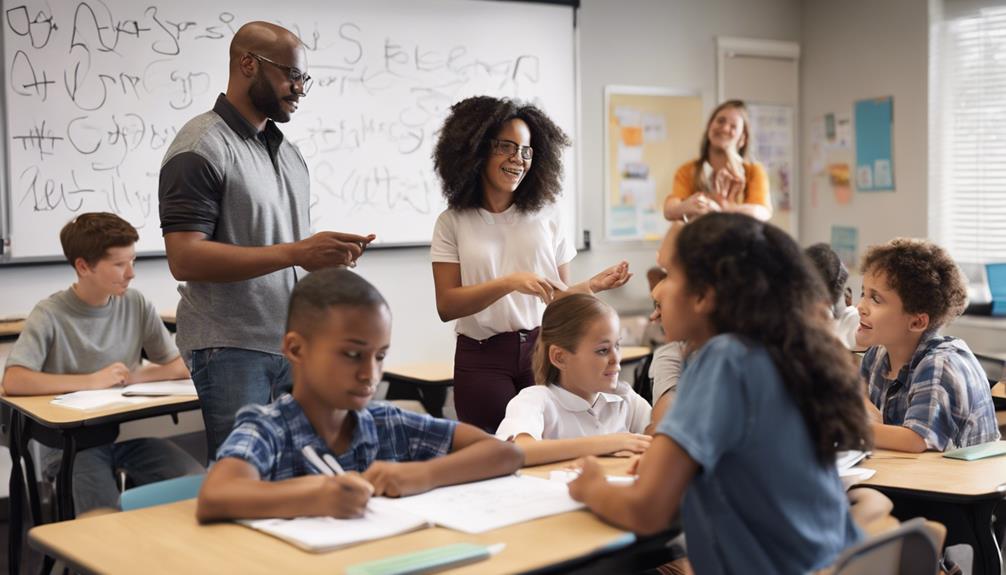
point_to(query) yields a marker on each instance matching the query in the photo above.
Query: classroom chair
(161, 492)
(907, 550)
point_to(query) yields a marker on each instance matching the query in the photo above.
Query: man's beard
(264, 98)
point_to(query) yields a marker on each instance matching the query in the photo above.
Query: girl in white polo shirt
(499, 254)
(579, 406)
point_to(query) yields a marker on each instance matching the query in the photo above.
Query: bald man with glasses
(234, 197)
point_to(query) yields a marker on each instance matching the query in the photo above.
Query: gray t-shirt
(241, 187)
(63, 335)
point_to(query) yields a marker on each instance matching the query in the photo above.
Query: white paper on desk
(491, 504)
(320, 534)
(846, 459)
(95, 399)
(160, 388)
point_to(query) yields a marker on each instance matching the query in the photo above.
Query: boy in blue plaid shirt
(926, 391)
(338, 331)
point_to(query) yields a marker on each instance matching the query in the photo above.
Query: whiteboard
(95, 91)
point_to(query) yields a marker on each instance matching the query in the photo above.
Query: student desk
(34, 417)
(10, 329)
(168, 539)
(170, 320)
(428, 382)
(960, 494)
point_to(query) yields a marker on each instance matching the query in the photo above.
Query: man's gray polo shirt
(242, 187)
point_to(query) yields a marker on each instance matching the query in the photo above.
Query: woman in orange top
(721, 179)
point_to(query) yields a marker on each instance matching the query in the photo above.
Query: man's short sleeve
(32, 347)
(189, 194)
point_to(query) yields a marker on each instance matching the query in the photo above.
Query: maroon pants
(489, 373)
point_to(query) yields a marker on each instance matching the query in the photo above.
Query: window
(968, 134)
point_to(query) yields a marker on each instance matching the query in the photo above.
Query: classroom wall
(859, 49)
(645, 42)
(660, 43)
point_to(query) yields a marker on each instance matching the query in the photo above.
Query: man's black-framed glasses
(293, 74)
(508, 148)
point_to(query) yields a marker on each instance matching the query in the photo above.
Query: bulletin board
(649, 134)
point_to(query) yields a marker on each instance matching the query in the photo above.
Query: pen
(317, 463)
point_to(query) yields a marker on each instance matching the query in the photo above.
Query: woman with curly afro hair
(499, 253)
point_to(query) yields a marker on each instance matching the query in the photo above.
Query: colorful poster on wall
(874, 136)
(773, 137)
(649, 133)
(845, 242)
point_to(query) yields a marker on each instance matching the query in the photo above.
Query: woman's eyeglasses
(508, 148)
(293, 74)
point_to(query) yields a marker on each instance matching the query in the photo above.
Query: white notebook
(320, 534)
(137, 393)
(471, 507)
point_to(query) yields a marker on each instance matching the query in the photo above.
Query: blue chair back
(161, 492)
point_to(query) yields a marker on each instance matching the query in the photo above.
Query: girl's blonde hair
(564, 323)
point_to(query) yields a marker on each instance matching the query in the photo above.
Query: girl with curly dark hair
(722, 178)
(747, 451)
(499, 253)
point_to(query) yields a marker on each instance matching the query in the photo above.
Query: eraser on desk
(425, 561)
(980, 451)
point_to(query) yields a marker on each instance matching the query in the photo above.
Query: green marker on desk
(428, 560)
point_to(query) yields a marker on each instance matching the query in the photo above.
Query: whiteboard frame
(6, 225)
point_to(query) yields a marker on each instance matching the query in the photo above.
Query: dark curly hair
(463, 147)
(831, 268)
(924, 275)
(767, 292)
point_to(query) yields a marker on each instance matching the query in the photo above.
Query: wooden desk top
(39, 408)
(442, 372)
(931, 473)
(168, 539)
(634, 352)
(11, 328)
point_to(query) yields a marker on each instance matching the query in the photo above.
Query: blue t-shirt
(761, 502)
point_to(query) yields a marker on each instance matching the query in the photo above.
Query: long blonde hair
(564, 324)
(741, 107)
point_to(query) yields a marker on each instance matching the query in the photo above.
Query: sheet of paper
(161, 388)
(491, 504)
(320, 534)
(95, 399)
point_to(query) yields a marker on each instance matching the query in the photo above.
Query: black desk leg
(64, 480)
(987, 558)
(16, 496)
(29, 464)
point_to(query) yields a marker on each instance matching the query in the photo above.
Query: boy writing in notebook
(338, 333)
(90, 337)
(926, 391)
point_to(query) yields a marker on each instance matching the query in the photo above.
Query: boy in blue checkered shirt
(926, 391)
(338, 332)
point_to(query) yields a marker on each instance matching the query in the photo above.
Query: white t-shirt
(845, 324)
(490, 246)
(551, 412)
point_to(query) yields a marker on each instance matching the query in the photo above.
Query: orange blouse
(756, 192)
